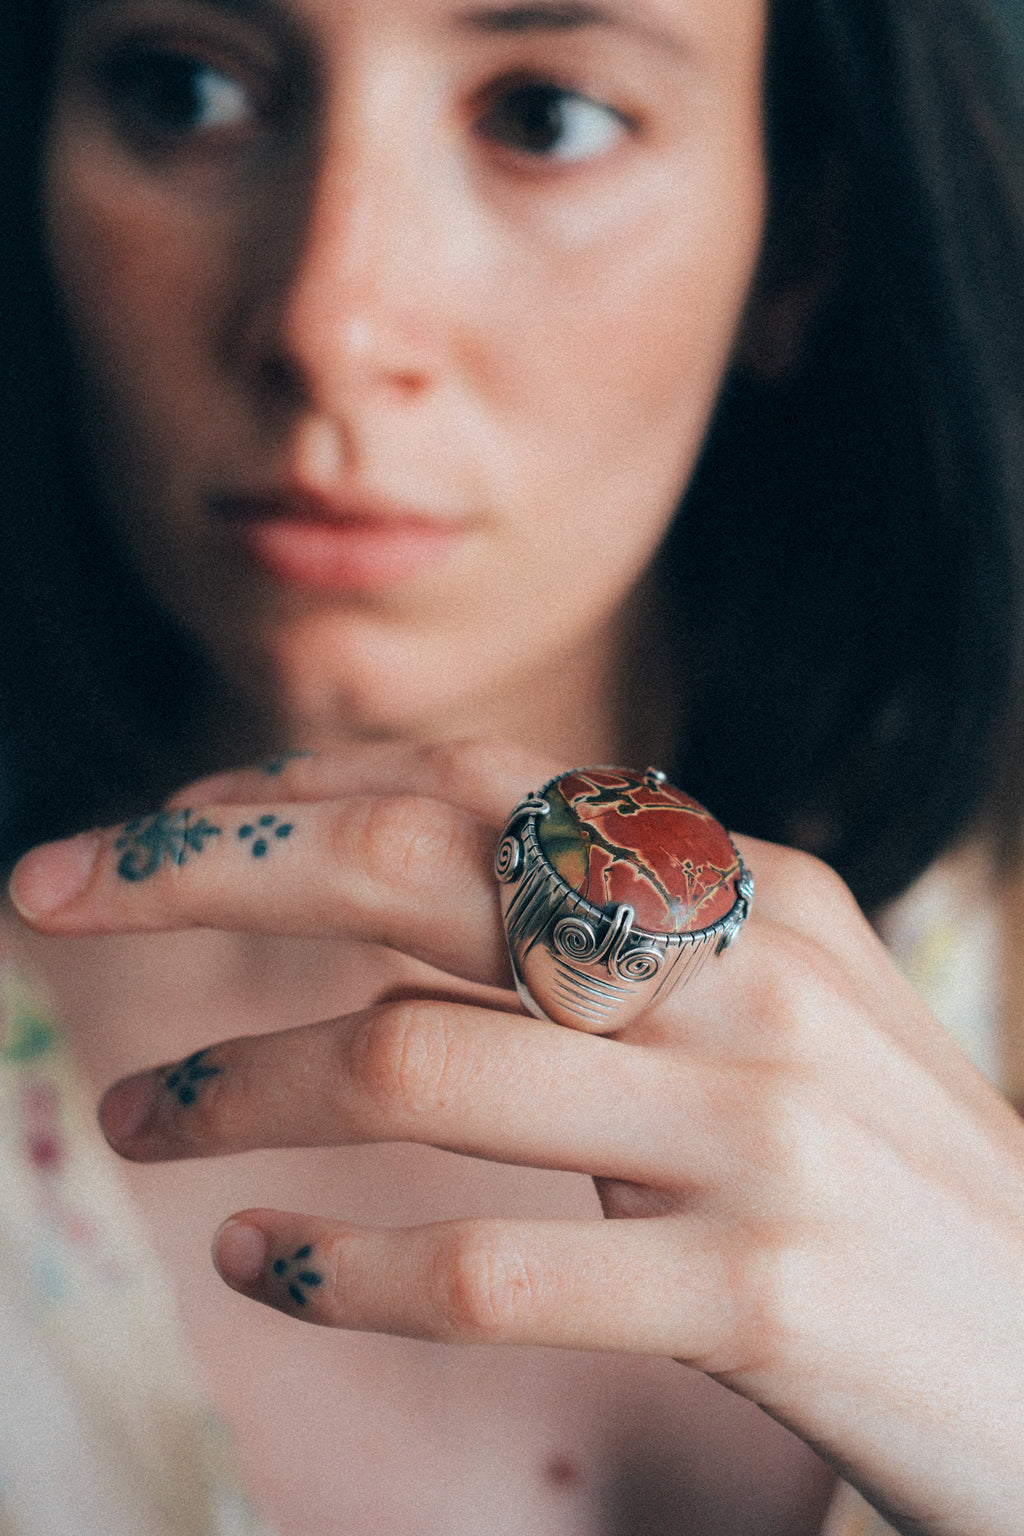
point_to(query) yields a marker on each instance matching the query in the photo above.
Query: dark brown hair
(847, 565)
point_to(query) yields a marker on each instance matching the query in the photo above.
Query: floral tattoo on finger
(151, 843)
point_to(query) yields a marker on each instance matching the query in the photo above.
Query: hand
(823, 1202)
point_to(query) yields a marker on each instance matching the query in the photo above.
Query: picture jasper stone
(619, 838)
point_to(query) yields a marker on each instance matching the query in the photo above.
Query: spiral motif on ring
(508, 860)
(638, 964)
(575, 939)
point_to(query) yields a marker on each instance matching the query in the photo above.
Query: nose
(348, 311)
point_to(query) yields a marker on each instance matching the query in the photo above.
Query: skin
(818, 1202)
(382, 296)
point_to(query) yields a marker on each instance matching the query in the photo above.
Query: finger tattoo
(296, 1276)
(168, 837)
(277, 765)
(185, 1080)
(173, 837)
(259, 836)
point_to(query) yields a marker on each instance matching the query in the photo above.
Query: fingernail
(50, 877)
(129, 1106)
(240, 1253)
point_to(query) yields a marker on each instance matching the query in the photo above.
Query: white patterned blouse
(104, 1428)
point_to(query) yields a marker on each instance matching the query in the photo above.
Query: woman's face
(401, 323)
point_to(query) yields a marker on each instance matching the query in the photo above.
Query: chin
(338, 679)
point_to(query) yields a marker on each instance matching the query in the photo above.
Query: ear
(800, 267)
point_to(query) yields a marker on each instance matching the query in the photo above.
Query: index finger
(406, 871)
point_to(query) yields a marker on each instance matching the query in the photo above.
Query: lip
(352, 545)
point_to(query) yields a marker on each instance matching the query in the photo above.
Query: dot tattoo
(296, 1276)
(277, 765)
(185, 1080)
(259, 835)
(168, 837)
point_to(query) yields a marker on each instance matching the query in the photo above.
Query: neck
(619, 697)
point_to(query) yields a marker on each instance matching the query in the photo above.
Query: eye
(170, 95)
(551, 123)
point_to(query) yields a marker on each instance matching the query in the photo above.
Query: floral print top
(104, 1427)
(104, 1430)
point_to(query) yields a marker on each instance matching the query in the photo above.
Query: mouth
(352, 545)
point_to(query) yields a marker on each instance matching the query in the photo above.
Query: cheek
(135, 283)
(617, 372)
(621, 347)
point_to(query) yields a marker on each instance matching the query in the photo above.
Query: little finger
(651, 1286)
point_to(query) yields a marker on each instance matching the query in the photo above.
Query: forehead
(674, 25)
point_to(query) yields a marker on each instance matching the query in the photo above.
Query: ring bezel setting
(594, 967)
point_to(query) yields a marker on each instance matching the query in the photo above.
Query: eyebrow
(568, 16)
(509, 20)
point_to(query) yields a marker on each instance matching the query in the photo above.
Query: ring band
(615, 887)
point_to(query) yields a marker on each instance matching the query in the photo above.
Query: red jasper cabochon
(617, 837)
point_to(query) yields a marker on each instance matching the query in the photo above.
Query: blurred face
(401, 323)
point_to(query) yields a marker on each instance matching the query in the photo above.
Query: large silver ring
(615, 888)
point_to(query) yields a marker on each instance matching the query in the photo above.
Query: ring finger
(469, 1079)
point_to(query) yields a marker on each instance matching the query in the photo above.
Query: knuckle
(761, 1316)
(769, 1017)
(410, 843)
(789, 1273)
(405, 1057)
(786, 1152)
(782, 1135)
(795, 1112)
(801, 990)
(482, 1285)
(809, 884)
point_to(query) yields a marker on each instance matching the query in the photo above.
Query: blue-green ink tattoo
(184, 1081)
(168, 837)
(277, 765)
(258, 836)
(298, 1281)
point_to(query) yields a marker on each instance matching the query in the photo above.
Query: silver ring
(615, 888)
